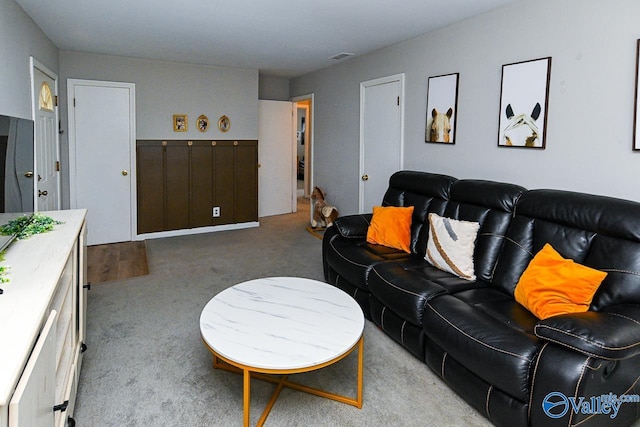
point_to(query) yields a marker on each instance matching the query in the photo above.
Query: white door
(276, 146)
(101, 137)
(381, 137)
(46, 139)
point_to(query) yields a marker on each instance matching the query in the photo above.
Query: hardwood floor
(116, 261)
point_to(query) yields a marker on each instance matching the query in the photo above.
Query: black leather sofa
(492, 351)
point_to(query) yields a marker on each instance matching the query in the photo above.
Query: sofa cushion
(553, 285)
(597, 231)
(353, 226)
(451, 245)
(426, 192)
(611, 334)
(391, 226)
(491, 204)
(353, 258)
(403, 291)
(484, 328)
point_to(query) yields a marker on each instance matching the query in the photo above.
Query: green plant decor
(3, 270)
(24, 227)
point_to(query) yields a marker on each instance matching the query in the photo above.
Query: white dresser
(42, 325)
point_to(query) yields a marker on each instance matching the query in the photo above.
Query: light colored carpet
(146, 364)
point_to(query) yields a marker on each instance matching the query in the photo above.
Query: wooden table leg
(360, 368)
(247, 396)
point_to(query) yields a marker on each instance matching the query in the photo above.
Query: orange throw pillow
(552, 285)
(391, 226)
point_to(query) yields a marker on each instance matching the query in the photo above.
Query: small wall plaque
(180, 123)
(203, 123)
(224, 124)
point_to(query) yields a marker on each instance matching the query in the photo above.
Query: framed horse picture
(523, 104)
(636, 111)
(442, 109)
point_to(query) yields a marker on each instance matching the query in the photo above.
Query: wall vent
(341, 55)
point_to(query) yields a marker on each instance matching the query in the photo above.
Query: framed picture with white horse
(523, 104)
(442, 109)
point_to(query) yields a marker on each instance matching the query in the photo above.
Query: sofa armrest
(353, 226)
(612, 334)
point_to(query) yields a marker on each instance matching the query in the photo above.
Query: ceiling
(278, 37)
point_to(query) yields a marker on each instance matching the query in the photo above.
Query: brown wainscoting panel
(176, 195)
(246, 181)
(150, 178)
(181, 181)
(201, 201)
(224, 182)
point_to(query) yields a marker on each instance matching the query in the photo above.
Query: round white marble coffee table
(283, 325)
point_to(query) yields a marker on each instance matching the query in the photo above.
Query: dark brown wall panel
(223, 182)
(180, 182)
(246, 181)
(201, 202)
(150, 187)
(176, 186)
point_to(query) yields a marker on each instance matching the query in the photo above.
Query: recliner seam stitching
(579, 350)
(533, 380)
(345, 258)
(486, 403)
(624, 317)
(510, 240)
(575, 393)
(584, 339)
(475, 339)
(391, 284)
(617, 270)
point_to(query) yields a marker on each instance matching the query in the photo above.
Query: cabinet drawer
(33, 401)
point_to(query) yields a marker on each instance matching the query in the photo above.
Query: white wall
(591, 99)
(273, 88)
(20, 38)
(167, 88)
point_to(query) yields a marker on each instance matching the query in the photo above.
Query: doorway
(381, 136)
(102, 157)
(45, 115)
(304, 144)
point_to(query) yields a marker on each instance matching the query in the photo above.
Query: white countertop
(281, 323)
(35, 267)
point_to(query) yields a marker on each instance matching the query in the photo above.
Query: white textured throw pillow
(451, 244)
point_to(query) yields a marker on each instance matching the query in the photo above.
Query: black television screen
(16, 171)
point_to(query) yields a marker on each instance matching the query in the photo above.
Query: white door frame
(71, 84)
(308, 164)
(363, 87)
(33, 64)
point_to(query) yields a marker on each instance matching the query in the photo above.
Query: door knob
(42, 193)
(365, 177)
(28, 174)
(125, 172)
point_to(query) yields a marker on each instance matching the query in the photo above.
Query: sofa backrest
(491, 204)
(597, 231)
(426, 192)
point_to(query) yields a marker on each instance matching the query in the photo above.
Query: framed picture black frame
(524, 101)
(442, 109)
(636, 108)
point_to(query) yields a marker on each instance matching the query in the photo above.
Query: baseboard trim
(199, 230)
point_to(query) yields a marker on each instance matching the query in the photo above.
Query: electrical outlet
(216, 211)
